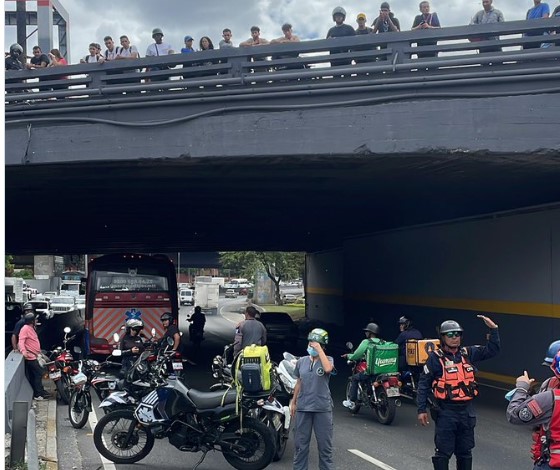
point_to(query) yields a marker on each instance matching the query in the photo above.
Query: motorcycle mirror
(153, 332)
(180, 333)
(67, 329)
(170, 341)
(116, 353)
(115, 337)
(349, 345)
(77, 350)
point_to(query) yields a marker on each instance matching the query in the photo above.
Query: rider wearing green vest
(372, 332)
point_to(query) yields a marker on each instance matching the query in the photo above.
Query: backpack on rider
(382, 357)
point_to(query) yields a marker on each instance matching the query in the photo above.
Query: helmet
(166, 316)
(156, 31)
(319, 335)
(339, 11)
(449, 325)
(405, 321)
(198, 309)
(134, 323)
(16, 49)
(29, 318)
(28, 307)
(551, 353)
(372, 328)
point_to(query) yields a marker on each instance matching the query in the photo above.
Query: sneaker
(46, 395)
(348, 404)
(39, 398)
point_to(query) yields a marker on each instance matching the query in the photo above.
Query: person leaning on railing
(488, 15)
(426, 20)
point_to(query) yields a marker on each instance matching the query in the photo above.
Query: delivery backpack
(255, 369)
(382, 357)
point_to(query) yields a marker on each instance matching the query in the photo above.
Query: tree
(279, 265)
(8, 266)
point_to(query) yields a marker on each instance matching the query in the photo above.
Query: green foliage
(25, 273)
(8, 266)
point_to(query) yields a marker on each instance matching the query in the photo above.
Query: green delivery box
(383, 358)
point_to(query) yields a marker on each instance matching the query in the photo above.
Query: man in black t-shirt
(340, 30)
(386, 21)
(39, 60)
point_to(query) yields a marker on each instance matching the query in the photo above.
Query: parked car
(186, 297)
(81, 301)
(280, 328)
(63, 304)
(289, 298)
(231, 293)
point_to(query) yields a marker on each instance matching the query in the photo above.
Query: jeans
(360, 377)
(35, 376)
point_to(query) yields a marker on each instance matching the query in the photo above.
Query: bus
(124, 286)
(71, 283)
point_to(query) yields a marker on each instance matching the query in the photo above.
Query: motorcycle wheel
(77, 409)
(63, 388)
(357, 406)
(109, 437)
(386, 408)
(254, 449)
(281, 443)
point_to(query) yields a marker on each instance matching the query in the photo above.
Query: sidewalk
(45, 430)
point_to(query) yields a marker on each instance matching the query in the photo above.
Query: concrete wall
(324, 287)
(507, 267)
(16, 386)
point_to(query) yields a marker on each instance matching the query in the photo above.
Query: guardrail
(404, 58)
(16, 386)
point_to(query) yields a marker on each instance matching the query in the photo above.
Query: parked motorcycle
(62, 367)
(193, 421)
(90, 375)
(379, 392)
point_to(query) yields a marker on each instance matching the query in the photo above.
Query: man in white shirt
(127, 51)
(111, 52)
(158, 47)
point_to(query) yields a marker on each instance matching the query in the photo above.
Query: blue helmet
(552, 350)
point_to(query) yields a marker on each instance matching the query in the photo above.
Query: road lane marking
(92, 419)
(370, 459)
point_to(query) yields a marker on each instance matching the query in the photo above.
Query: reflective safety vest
(546, 439)
(457, 383)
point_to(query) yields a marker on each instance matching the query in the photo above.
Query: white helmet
(134, 323)
(339, 11)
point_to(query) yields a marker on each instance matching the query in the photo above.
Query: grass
(297, 312)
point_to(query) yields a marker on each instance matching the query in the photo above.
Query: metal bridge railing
(399, 58)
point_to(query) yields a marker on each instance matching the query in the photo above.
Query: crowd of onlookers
(385, 22)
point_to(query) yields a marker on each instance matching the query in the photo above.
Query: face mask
(509, 395)
(312, 352)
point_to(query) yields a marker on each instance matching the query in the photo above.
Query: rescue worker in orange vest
(449, 375)
(541, 410)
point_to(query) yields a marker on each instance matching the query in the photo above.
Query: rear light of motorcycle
(393, 381)
(52, 368)
(67, 369)
(177, 355)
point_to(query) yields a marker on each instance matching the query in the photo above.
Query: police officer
(542, 410)
(249, 331)
(449, 374)
(407, 332)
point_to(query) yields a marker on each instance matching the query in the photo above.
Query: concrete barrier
(16, 386)
(32, 446)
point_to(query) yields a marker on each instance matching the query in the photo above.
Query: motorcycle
(90, 375)
(61, 367)
(379, 392)
(272, 408)
(191, 420)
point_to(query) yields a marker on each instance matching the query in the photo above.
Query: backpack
(382, 357)
(256, 367)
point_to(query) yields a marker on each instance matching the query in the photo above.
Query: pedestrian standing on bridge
(449, 374)
(538, 11)
(30, 347)
(312, 404)
(541, 410)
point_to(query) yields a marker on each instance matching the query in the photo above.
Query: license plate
(55, 375)
(393, 392)
(177, 366)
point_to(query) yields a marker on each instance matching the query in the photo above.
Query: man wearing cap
(188, 45)
(362, 28)
(157, 49)
(386, 21)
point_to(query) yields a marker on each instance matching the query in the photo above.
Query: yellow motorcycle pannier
(418, 350)
(256, 368)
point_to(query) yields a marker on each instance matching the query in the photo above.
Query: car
(81, 301)
(280, 328)
(289, 298)
(186, 297)
(42, 308)
(232, 294)
(63, 304)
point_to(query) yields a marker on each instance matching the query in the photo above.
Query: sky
(311, 19)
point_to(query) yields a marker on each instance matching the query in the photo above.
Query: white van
(186, 297)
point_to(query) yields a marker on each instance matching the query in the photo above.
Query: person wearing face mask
(372, 338)
(449, 374)
(312, 404)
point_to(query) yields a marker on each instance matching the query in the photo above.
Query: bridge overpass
(428, 186)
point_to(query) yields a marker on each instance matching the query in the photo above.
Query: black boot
(440, 462)
(464, 463)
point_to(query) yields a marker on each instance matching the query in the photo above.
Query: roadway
(360, 442)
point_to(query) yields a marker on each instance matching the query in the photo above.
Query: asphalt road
(360, 442)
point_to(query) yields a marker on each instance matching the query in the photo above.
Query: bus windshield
(107, 281)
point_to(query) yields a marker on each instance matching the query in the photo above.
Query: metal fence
(513, 49)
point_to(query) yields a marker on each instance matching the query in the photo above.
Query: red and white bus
(123, 286)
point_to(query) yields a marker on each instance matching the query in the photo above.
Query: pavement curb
(46, 428)
(51, 455)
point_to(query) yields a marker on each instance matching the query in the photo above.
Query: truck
(15, 291)
(206, 294)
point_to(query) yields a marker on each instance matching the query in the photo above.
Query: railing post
(397, 57)
(237, 65)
